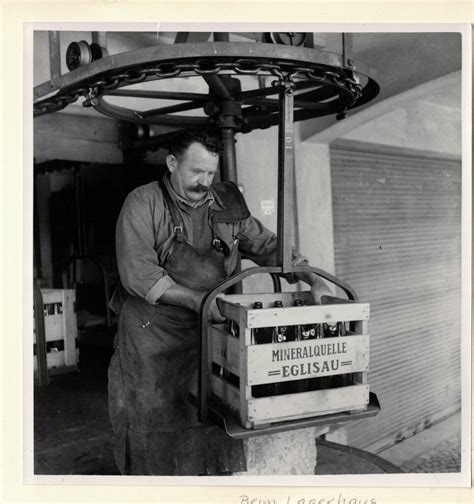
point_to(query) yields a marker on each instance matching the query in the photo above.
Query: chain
(92, 90)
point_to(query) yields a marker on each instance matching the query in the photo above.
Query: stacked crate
(275, 382)
(60, 330)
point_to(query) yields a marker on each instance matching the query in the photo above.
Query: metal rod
(54, 58)
(270, 103)
(285, 179)
(179, 107)
(229, 160)
(163, 95)
(276, 282)
(41, 351)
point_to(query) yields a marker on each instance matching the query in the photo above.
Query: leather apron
(154, 368)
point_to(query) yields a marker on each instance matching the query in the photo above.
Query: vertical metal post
(229, 172)
(229, 160)
(285, 177)
(347, 50)
(54, 58)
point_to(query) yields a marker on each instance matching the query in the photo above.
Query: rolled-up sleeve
(259, 244)
(137, 260)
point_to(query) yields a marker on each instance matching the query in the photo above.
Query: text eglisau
(308, 352)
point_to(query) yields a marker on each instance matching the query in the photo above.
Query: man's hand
(214, 312)
(182, 296)
(318, 286)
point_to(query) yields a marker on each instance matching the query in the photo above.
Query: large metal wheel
(242, 85)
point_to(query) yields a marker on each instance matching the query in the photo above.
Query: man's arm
(189, 298)
(137, 259)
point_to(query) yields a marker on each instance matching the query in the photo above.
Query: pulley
(82, 53)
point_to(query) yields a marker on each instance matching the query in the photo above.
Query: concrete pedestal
(284, 453)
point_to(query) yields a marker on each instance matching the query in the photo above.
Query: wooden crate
(60, 329)
(239, 365)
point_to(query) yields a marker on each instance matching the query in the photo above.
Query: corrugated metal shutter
(397, 227)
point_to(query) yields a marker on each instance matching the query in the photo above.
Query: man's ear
(171, 162)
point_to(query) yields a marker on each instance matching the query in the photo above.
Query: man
(176, 239)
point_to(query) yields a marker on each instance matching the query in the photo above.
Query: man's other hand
(319, 288)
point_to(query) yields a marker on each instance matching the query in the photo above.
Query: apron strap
(178, 226)
(217, 243)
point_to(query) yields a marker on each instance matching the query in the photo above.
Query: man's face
(193, 171)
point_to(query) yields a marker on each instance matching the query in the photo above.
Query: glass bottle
(280, 333)
(308, 331)
(261, 335)
(334, 330)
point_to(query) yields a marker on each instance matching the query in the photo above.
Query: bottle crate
(60, 330)
(275, 382)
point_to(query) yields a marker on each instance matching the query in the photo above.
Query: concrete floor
(434, 450)
(73, 434)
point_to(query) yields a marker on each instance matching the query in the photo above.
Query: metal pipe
(276, 282)
(41, 351)
(229, 159)
(217, 89)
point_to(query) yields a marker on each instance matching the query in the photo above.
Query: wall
(425, 118)
(399, 62)
(257, 158)
(76, 137)
(421, 124)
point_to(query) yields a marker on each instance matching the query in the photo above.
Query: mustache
(199, 188)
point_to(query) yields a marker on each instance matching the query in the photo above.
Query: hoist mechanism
(154, 87)
(239, 86)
